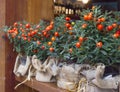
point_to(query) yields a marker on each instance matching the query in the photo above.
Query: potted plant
(95, 38)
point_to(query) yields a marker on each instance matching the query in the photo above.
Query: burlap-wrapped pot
(69, 76)
(45, 71)
(22, 64)
(100, 83)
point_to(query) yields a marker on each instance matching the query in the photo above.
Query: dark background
(108, 4)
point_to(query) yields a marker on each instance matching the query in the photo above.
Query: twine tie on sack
(72, 90)
(27, 79)
(79, 87)
(84, 82)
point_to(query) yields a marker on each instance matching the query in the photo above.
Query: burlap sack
(104, 83)
(89, 74)
(69, 76)
(99, 84)
(31, 73)
(21, 65)
(45, 72)
(85, 86)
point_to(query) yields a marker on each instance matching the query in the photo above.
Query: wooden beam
(9, 54)
(2, 46)
(2, 12)
(10, 12)
(6, 57)
(2, 63)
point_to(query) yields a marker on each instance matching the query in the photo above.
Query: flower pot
(22, 64)
(45, 72)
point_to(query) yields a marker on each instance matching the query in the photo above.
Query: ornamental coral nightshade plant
(92, 39)
(101, 34)
(27, 38)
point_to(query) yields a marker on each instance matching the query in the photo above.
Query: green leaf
(103, 52)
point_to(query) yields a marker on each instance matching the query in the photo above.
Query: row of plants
(92, 39)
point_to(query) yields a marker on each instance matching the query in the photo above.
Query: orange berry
(86, 17)
(29, 34)
(116, 35)
(56, 34)
(67, 25)
(29, 39)
(100, 27)
(78, 44)
(23, 35)
(81, 39)
(84, 25)
(27, 25)
(67, 19)
(42, 47)
(23, 30)
(51, 49)
(102, 19)
(53, 38)
(24, 38)
(49, 43)
(35, 50)
(99, 44)
(91, 13)
(44, 33)
(114, 25)
(90, 17)
(51, 23)
(38, 42)
(70, 28)
(48, 28)
(110, 28)
(15, 24)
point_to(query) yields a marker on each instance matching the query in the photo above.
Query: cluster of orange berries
(99, 26)
(88, 16)
(27, 33)
(80, 41)
(68, 24)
